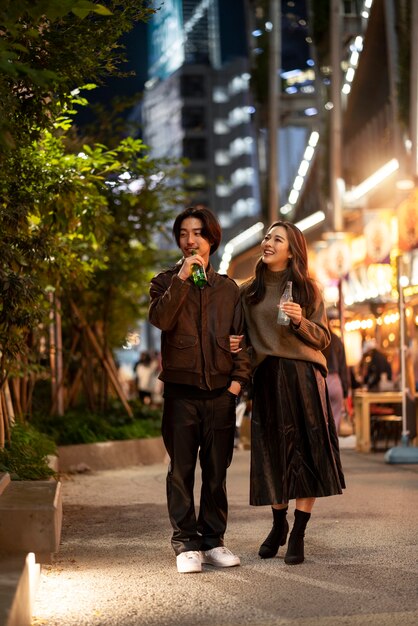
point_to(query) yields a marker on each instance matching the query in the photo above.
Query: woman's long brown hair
(304, 288)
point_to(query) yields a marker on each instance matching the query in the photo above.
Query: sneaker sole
(189, 571)
(210, 562)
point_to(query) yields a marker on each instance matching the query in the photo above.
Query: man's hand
(186, 268)
(235, 388)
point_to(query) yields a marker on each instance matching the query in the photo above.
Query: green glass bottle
(198, 274)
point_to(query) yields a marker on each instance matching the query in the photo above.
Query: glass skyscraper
(197, 105)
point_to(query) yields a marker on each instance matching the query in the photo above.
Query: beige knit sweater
(267, 338)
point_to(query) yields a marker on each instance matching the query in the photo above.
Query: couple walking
(205, 365)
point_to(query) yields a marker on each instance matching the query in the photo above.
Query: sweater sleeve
(313, 328)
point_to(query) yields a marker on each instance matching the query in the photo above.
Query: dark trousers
(191, 426)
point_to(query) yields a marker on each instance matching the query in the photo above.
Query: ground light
(403, 453)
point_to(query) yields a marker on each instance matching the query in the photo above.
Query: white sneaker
(188, 562)
(220, 557)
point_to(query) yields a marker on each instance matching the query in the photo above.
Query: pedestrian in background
(294, 443)
(374, 366)
(338, 378)
(145, 377)
(202, 381)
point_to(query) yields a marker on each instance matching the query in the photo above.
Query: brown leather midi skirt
(294, 443)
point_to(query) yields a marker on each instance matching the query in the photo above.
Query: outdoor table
(362, 401)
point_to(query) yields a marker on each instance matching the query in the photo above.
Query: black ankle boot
(277, 536)
(295, 546)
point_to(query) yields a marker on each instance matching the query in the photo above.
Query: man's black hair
(211, 229)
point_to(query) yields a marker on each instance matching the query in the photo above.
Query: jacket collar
(211, 274)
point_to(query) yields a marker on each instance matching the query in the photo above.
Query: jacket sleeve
(241, 370)
(313, 328)
(167, 294)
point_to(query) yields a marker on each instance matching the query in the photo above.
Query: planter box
(111, 454)
(31, 518)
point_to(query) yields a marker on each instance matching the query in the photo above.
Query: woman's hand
(292, 310)
(234, 341)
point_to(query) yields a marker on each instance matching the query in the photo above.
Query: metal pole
(413, 114)
(402, 347)
(336, 125)
(393, 74)
(273, 110)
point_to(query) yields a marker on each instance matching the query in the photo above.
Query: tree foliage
(49, 48)
(77, 218)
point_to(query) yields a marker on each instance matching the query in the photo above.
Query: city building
(197, 105)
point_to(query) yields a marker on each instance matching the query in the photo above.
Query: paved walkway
(116, 568)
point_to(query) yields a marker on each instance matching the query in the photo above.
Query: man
(202, 380)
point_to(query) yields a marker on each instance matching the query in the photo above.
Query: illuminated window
(244, 207)
(220, 127)
(222, 157)
(196, 180)
(220, 95)
(239, 115)
(223, 190)
(238, 84)
(243, 176)
(226, 220)
(241, 145)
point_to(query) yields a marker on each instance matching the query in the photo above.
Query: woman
(294, 444)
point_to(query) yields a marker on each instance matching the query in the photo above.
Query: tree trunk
(16, 387)
(2, 424)
(102, 359)
(58, 357)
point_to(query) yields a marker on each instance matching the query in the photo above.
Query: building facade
(197, 106)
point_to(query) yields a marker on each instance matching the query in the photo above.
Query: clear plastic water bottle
(282, 318)
(198, 274)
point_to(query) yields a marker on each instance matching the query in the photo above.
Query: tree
(69, 222)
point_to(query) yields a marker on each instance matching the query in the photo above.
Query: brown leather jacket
(196, 324)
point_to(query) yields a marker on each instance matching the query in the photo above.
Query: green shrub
(25, 457)
(82, 426)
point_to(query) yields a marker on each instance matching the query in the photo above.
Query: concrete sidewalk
(116, 567)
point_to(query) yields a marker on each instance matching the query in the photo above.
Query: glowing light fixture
(234, 243)
(311, 221)
(354, 195)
